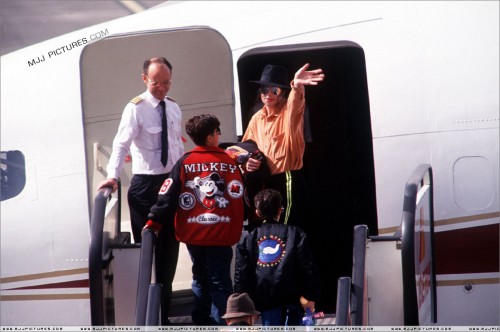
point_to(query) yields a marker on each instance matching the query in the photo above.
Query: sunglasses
(155, 84)
(274, 89)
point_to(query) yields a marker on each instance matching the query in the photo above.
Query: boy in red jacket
(205, 191)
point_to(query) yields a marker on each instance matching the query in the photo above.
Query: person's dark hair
(268, 202)
(148, 62)
(200, 126)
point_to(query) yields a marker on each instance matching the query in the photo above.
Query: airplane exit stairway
(120, 272)
(390, 272)
(382, 290)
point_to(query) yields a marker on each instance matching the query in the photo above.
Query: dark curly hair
(268, 202)
(200, 126)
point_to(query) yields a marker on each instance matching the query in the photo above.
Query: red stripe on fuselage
(468, 250)
(84, 283)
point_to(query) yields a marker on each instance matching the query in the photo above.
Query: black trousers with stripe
(293, 189)
(294, 192)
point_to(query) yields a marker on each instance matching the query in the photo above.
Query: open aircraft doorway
(111, 68)
(111, 71)
(338, 161)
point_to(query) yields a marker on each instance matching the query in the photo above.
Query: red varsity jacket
(205, 188)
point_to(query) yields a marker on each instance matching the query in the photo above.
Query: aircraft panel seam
(435, 132)
(307, 33)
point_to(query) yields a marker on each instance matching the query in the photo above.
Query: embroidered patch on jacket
(166, 185)
(186, 201)
(209, 219)
(235, 189)
(209, 191)
(271, 251)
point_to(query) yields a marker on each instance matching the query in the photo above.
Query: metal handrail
(144, 280)
(351, 292)
(99, 251)
(420, 178)
(343, 308)
(359, 275)
(147, 310)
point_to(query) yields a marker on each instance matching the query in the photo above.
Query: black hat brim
(265, 83)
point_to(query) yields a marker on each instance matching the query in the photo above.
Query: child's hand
(252, 164)
(307, 304)
(156, 226)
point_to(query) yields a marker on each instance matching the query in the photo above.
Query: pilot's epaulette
(171, 99)
(137, 100)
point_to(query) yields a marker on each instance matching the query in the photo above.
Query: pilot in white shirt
(139, 134)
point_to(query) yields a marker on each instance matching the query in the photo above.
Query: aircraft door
(111, 69)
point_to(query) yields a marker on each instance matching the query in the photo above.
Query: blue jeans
(212, 283)
(288, 315)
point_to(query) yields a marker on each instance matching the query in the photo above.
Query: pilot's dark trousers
(142, 195)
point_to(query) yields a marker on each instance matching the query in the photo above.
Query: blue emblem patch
(271, 251)
(186, 201)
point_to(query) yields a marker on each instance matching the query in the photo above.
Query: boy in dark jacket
(274, 264)
(205, 190)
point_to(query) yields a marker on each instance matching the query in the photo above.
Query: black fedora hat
(273, 75)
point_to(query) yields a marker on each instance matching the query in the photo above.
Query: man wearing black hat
(240, 310)
(278, 130)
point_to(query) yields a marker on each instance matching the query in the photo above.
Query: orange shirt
(280, 136)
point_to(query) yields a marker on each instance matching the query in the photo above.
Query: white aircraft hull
(432, 75)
